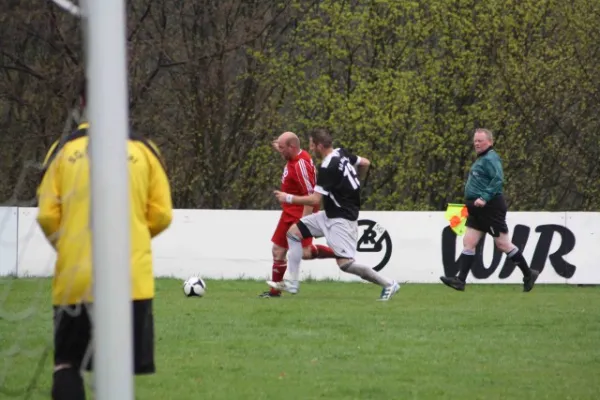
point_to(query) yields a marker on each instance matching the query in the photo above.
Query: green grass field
(335, 341)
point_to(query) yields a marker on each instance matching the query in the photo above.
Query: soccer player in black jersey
(338, 184)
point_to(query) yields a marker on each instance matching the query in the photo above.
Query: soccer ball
(194, 287)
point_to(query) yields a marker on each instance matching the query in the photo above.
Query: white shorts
(341, 234)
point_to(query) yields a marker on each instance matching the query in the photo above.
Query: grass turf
(335, 341)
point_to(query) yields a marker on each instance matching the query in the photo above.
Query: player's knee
(469, 249)
(67, 383)
(503, 247)
(344, 263)
(278, 253)
(301, 230)
(307, 253)
(294, 233)
(503, 244)
(470, 242)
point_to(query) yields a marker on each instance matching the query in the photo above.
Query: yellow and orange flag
(457, 215)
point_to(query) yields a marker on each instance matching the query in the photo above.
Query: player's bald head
(289, 139)
(289, 145)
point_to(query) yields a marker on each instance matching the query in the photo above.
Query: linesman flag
(457, 215)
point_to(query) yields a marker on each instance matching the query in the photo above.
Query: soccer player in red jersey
(299, 176)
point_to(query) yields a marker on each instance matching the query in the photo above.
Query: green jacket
(485, 177)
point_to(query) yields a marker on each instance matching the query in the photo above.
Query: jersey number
(350, 174)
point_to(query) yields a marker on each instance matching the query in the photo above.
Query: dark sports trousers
(489, 219)
(73, 335)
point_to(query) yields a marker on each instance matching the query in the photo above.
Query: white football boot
(287, 286)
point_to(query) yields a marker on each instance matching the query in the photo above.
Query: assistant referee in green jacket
(487, 213)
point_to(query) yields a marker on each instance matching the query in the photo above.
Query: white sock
(366, 273)
(294, 258)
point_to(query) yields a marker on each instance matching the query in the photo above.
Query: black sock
(517, 258)
(466, 262)
(68, 385)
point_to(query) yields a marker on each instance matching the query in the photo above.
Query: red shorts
(279, 237)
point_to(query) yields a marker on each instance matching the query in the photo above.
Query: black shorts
(490, 218)
(73, 334)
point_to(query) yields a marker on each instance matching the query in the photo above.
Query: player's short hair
(487, 132)
(321, 136)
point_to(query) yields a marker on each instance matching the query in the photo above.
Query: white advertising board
(8, 240)
(414, 247)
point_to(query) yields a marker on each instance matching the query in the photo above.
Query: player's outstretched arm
(310, 200)
(362, 165)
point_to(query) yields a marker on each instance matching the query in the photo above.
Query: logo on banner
(520, 239)
(374, 239)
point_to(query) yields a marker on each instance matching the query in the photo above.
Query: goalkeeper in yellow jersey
(64, 217)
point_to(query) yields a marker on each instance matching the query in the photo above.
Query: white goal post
(106, 68)
(104, 32)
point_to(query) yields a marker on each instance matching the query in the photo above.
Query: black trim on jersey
(79, 133)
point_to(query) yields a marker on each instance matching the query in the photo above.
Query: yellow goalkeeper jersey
(64, 214)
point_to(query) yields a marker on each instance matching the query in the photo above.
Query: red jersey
(299, 177)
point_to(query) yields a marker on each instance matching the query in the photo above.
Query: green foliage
(402, 83)
(406, 83)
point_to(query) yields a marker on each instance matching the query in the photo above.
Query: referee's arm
(495, 185)
(160, 207)
(49, 200)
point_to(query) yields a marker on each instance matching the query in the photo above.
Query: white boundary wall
(233, 244)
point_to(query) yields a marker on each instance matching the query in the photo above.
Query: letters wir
(520, 239)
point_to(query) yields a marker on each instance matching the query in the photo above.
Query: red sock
(320, 251)
(279, 268)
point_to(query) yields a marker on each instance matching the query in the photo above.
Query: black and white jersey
(338, 182)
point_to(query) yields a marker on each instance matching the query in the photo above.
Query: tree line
(402, 83)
